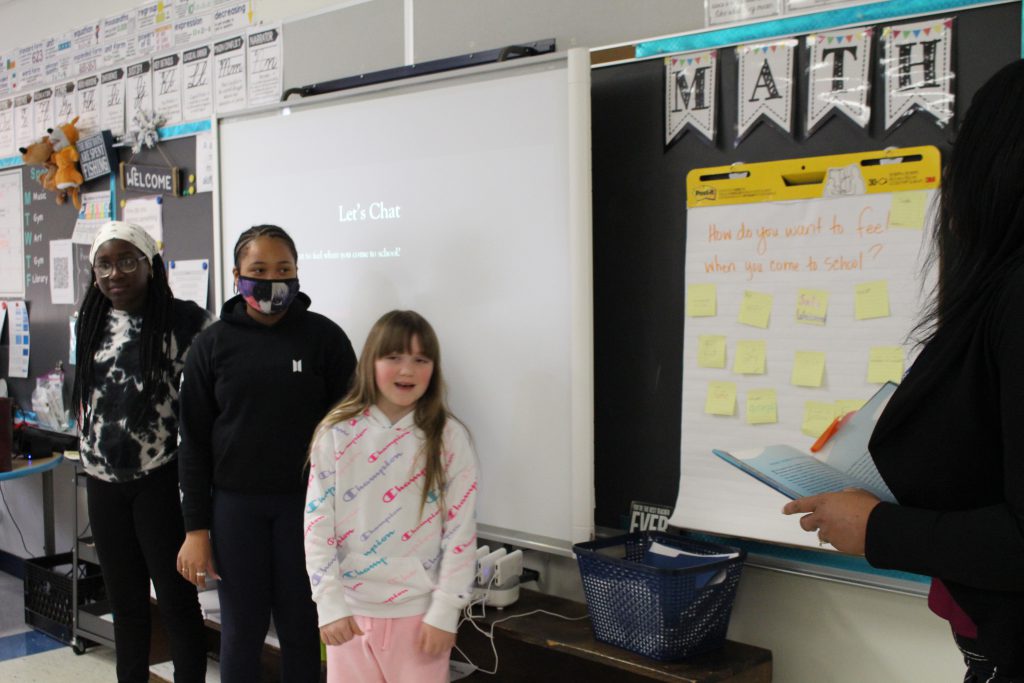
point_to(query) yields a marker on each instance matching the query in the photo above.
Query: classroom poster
(799, 299)
(7, 147)
(229, 79)
(20, 337)
(838, 77)
(691, 88)
(42, 103)
(918, 70)
(167, 88)
(63, 104)
(765, 87)
(112, 96)
(265, 66)
(24, 128)
(12, 240)
(62, 286)
(718, 12)
(197, 75)
(88, 105)
(138, 92)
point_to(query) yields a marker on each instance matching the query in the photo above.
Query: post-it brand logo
(705, 193)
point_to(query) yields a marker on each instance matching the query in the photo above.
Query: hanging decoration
(838, 77)
(691, 87)
(143, 130)
(917, 63)
(765, 86)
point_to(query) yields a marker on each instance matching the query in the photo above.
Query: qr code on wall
(61, 272)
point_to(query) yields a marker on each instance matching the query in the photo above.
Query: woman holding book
(949, 443)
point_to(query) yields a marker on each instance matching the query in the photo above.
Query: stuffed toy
(39, 154)
(65, 156)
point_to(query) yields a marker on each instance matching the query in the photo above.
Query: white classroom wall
(818, 631)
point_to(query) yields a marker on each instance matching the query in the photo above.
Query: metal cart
(88, 627)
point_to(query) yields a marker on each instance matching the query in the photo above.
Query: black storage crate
(657, 612)
(48, 584)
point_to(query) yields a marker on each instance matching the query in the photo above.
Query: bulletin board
(188, 234)
(641, 227)
(803, 279)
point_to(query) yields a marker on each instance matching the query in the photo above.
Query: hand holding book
(841, 519)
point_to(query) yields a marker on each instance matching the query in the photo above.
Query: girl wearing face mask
(256, 383)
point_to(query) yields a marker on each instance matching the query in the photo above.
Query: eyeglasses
(125, 265)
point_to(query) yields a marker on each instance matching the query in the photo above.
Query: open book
(796, 474)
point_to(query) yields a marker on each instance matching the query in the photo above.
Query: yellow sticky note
(885, 364)
(756, 309)
(762, 407)
(701, 301)
(871, 300)
(750, 355)
(908, 210)
(711, 351)
(844, 406)
(818, 415)
(721, 398)
(811, 306)
(808, 368)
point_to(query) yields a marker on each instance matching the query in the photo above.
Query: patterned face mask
(268, 296)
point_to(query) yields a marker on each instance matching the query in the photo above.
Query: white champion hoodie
(368, 551)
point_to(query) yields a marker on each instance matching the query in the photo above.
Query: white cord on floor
(467, 615)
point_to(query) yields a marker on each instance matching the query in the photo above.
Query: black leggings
(259, 555)
(979, 668)
(138, 530)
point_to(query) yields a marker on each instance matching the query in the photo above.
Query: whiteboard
(778, 248)
(467, 198)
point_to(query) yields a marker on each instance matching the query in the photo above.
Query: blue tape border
(802, 24)
(168, 133)
(827, 560)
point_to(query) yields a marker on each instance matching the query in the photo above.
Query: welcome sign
(151, 179)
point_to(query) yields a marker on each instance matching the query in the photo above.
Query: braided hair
(154, 342)
(266, 230)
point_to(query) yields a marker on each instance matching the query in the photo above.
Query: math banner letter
(918, 68)
(690, 89)
(838, 77)
(765, 85)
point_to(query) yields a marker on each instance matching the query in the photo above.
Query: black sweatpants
(138, 530)
(259, 554)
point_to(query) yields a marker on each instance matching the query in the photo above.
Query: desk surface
(23, 467)
(735, 662)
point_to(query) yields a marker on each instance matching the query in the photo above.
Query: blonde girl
(390, 531)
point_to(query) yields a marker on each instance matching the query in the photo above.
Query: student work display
(800, 298)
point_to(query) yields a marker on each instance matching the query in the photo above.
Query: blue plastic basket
(661, 613)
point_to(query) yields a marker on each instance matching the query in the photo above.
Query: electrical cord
(8, 507)
(468, 616)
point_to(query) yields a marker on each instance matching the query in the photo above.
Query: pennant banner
(838, 76)
(765, 85)
(690, 94)
(918, 70)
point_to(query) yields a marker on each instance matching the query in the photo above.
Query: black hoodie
(251, 398)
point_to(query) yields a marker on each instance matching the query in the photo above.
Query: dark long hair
(979, 234)
(154, 343)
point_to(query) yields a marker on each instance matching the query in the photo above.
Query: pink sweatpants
(387, 653)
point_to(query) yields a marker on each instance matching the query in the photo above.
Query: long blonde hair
(394, 333)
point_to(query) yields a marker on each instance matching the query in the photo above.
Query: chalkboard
(188, 234)
(639, 190)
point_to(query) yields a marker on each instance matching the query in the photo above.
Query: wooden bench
(541, 648)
